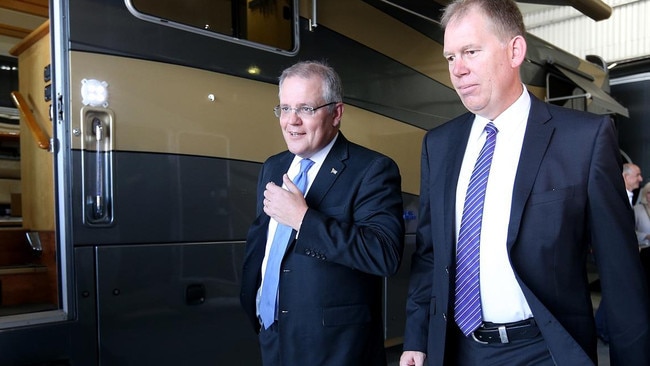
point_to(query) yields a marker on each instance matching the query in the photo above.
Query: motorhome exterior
(160, 115)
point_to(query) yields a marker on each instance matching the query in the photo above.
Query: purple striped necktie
(467, 303)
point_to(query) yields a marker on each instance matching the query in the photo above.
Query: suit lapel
(280, 168)
(332, 167)
(274, 175)
(536, 141)
(458, 142)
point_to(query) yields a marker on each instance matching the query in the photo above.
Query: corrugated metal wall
(625, 35)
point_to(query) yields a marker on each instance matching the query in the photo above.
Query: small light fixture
(254, 70)
(94, 93)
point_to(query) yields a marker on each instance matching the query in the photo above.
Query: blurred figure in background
(633, 178)
(642, 218)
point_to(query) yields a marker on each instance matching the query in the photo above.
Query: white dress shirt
(502, 300)
(630, 196)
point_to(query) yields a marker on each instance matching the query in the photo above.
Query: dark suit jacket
(568, 194)
(330, 292)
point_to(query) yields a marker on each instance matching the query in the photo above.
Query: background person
(345, 234)
(642, 214)
(642, 218)
(553, 189)
(633, 178)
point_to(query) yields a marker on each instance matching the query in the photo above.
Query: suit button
(308, 251)
(284, 311)
(444, 316)
(286, 270)
(447, 270)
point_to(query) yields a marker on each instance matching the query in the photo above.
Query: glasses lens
(305, 111)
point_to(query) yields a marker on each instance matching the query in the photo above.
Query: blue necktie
(467, 307)
(269, 294)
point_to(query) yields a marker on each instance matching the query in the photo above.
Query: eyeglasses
(302, 111)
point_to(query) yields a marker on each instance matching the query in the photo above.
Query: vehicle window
(269, 24)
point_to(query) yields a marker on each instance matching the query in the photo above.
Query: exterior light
(94, 93)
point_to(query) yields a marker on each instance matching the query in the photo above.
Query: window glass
(265, 23)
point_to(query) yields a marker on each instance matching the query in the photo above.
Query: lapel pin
(333, 171)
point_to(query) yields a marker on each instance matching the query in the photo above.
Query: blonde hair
(504, 15)
(643, 192)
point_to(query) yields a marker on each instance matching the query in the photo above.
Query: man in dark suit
(345, 234)
(553, 188)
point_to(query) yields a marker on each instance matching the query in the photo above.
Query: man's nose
(291, 116)
(459, 67)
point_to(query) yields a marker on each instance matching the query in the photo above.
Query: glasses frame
(302, 111)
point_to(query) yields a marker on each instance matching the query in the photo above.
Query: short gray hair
(332, 88)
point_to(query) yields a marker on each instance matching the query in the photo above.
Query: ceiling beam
(33, 7)
(594, 9)
(15, 32)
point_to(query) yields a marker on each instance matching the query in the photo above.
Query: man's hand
(286, 206)
(412, 358)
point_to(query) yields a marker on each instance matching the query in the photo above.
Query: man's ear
(338, 114)
(517, 47)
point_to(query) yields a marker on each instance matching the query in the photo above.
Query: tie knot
(490, 128)
(305, 164)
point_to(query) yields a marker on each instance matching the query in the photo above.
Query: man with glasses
(328, 228)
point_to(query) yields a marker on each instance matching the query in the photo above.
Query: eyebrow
(462, 49)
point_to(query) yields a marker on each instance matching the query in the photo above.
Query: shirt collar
(319, 157)
(509, 119)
